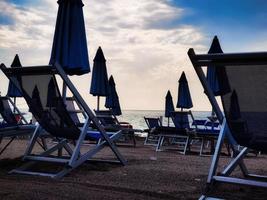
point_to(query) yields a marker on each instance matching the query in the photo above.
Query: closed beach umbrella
(13, 91)
(216, 76)
(112, 100)
(234, 111)
(99, 81)
(169, 107)
(184, 97)
(51, 95)
(70, 45)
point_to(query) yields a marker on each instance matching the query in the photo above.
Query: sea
(136, 117)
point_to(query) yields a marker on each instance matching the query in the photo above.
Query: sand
(148, 175)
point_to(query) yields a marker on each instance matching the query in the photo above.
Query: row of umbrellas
(70, 51)
(184, 98)
(218, 85)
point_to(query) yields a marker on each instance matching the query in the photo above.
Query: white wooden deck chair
(39, 88)
(10, 126)
(242, 79)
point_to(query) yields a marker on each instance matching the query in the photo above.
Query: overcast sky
(145, 42)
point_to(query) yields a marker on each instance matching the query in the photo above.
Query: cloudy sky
(145, 42)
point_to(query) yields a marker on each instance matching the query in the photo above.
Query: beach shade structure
(13, 91)
(99, 81)
(184, 97)
(169, 107)
(69, 45)
(243, 115)
(112, 100)
(216, 76)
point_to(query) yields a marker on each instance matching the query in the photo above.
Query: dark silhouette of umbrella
(184, 97)
(234, 107)
(217, 83)
(112, 100)
(69, 44)
(216, 76)
(169, 107)
(51, 95)
(13, 91)
(99, 81)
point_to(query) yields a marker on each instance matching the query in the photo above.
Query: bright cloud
(144, 42)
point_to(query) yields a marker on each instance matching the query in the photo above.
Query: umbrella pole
(168, 121)
(98, 102)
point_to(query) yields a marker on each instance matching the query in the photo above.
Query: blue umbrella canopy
(99, 81)
(216, 76)
(184, 97)
(112, 100)
(168, 104)
(12, 89)
(70, 45)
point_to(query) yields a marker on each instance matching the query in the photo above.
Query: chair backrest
(245, 105)
(40, 90)
(6, 111)
(152, 122)
(106, 117)
(180, 119)
(242, 79)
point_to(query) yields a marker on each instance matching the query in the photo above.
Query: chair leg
(202, 146)
(5, 147)
(160, 141)
(186, 145)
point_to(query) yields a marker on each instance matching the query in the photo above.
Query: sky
(145, 42)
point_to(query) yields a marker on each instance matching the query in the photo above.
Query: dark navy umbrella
(169, 107)
(13, 91)
(99, 81)
(112, 100)
(234, 110)
(51, 95)
(70, 45)
(184, 97)
(216, 76)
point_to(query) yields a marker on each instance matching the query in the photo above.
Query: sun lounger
(111, 122)
(152, 137)
(181, 134)
(12, 126)
(39, 88)
(242, 81)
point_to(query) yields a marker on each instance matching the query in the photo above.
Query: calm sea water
(136, 117)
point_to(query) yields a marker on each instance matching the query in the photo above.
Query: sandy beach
(148, 175)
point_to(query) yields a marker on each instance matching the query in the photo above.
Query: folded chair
(111, 122)
(152, 137)
(11, 126)
(40, 90)
(242, 79)
(181, 134)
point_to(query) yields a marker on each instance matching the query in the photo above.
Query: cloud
(144, 41)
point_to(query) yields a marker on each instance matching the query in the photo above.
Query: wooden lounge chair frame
(229, 59)
(17, 128)
(152, 137)
(75, 157)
